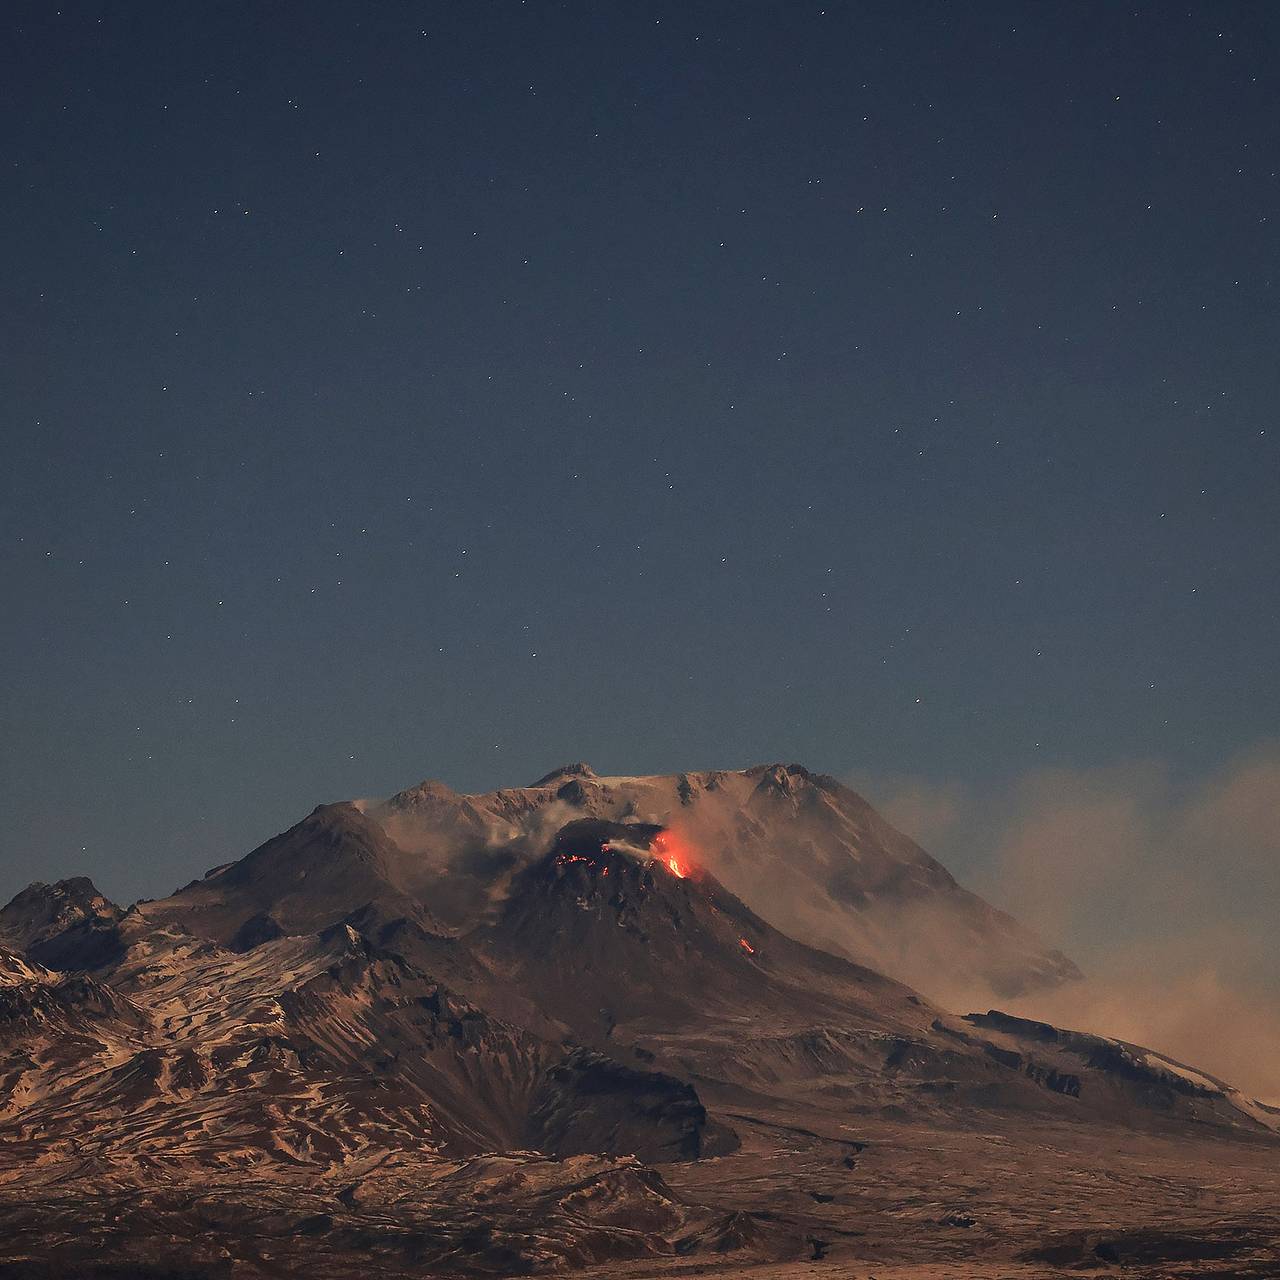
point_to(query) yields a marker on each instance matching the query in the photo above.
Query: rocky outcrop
(67, 925)
(590, 1102)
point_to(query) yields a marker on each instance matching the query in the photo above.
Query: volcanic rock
(450, 1034)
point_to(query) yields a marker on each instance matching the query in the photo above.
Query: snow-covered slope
(579, 974)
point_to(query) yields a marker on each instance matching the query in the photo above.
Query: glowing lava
(673, 850)
(746, 946)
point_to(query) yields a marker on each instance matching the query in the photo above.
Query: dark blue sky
(456, 390)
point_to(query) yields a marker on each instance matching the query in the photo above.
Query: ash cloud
(1161, 887)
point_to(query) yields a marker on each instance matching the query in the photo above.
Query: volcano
(588, 1023)
(808, 854)
(609, 934)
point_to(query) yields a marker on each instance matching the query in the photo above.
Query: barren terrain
(568, 1027)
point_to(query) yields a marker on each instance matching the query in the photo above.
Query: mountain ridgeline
(404, 1004)
(810, 855)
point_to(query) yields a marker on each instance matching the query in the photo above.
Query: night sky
(455, 390)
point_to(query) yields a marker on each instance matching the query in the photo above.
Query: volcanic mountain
(554, 1026)
(610, 935)
(811, 856)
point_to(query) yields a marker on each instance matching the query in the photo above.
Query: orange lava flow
(673, 851)
(746, 946)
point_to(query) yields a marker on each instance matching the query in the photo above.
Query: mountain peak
(73, 893)
(808, 854)
(335, 860)
(429, 794)
(65, 925)
(42, 906)
(792, 779)
(581, 769)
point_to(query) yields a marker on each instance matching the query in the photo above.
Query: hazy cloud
(1161, 888)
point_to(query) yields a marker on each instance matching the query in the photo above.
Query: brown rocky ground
(595, 1058)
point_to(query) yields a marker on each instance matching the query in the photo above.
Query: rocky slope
(310, 1056)
(807, 854)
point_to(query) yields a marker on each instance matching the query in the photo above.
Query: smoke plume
(1161, 887)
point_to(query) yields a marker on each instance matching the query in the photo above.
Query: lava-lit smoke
(672, 849)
